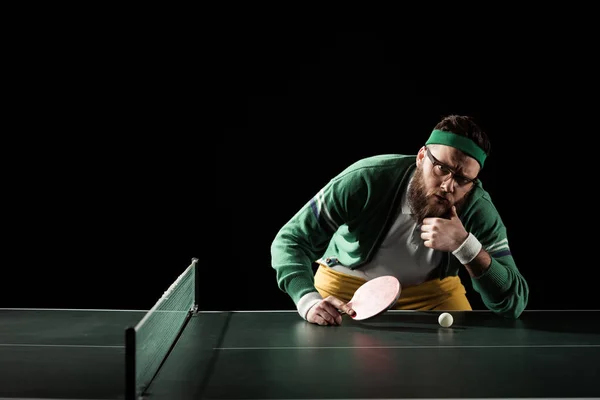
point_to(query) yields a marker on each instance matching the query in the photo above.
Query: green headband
(462, 143)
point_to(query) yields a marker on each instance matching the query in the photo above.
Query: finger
(334, 301)
(430, 220)
(333, 312)
(320, 320)
(425, 227)
(340, 305)
(327, 316)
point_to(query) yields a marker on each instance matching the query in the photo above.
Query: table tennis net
(158, 330)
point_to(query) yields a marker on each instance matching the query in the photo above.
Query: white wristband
(467, 251)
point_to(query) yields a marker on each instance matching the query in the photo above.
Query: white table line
(410, 347)
(61, 345)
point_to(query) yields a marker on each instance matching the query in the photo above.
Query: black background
(133, 153)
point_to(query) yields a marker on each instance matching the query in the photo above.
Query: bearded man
(420, 218)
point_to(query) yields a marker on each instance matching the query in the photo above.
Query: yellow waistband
(426, 296)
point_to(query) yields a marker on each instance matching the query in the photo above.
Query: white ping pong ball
(445, 319)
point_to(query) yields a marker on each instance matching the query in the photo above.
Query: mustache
(435, 192)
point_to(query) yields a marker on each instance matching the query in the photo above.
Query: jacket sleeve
(502, 287)
(305, 237)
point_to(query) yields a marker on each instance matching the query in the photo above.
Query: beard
(424, 204)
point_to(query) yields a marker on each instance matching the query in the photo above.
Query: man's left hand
(444, 234)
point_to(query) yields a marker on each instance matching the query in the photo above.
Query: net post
(196, 286)
(130, 381)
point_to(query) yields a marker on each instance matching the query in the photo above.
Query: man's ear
(421, 155)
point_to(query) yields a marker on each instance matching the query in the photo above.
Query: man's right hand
(326, 311)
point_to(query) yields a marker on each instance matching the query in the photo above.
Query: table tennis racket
(374, 297)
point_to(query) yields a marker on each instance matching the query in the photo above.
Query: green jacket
(349, 218)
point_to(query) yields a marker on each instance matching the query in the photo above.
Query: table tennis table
(177, 351)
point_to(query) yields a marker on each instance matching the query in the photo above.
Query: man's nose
(448, 184)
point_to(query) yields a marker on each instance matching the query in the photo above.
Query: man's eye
(443, 169)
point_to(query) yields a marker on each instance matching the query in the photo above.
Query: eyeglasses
(441, 169)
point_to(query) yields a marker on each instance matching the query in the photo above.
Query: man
(419, 218)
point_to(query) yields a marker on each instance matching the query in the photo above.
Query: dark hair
(465, 126)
